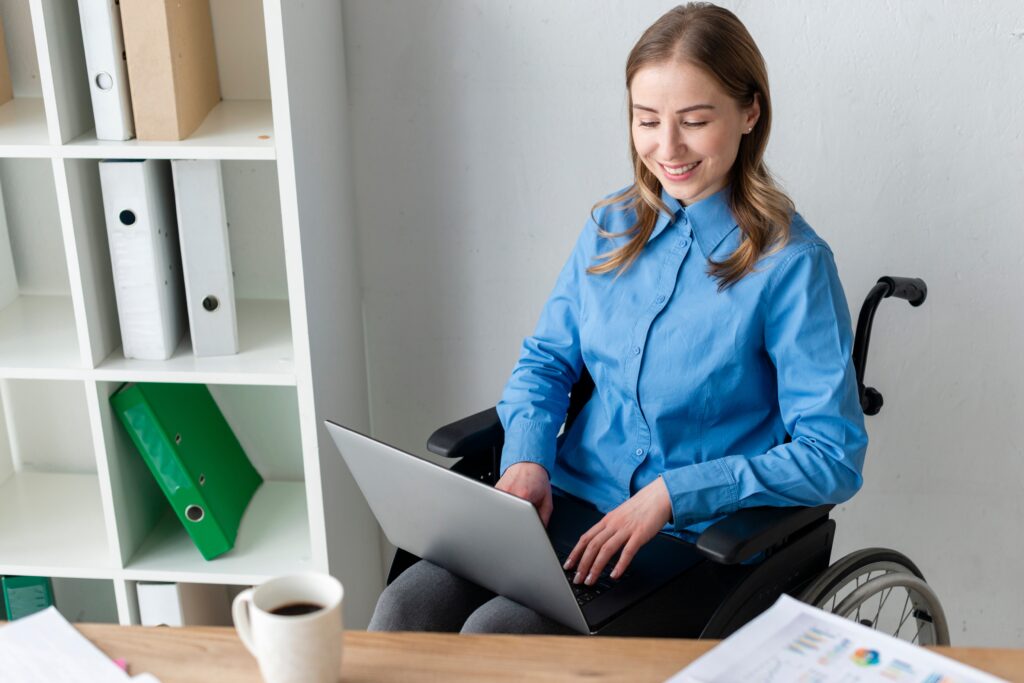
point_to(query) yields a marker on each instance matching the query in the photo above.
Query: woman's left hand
(627, 527)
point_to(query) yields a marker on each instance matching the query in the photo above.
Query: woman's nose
(672, 139)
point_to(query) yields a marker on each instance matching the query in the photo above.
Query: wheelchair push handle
(912, 289)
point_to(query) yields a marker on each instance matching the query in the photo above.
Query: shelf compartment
(23, 126)
(253, 214)
(264, 357)
(87, 601)
(23, 130)
(273, 539)
(234, 129)
(239, 127)
(274, 533)
(37, 321)
(198, 604)
(51, 524)
(38, 339)
(51, 513)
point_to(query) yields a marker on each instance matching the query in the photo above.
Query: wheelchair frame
(716, 597)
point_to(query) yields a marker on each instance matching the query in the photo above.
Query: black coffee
(295, 609)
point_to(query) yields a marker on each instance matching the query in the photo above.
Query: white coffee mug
(302, 641)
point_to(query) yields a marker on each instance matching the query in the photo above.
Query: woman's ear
(753, 112)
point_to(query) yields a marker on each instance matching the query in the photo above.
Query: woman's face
(686, 129)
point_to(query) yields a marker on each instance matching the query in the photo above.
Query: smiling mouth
(680, 170)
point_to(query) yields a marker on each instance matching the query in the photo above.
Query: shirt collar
(710, 219)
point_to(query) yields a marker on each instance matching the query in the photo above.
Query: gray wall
(485, 130)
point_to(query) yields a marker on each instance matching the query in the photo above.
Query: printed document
(795, 643)
(45, 648)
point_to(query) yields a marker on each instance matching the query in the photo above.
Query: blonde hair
(714, 40)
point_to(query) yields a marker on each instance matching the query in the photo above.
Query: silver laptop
(496, 539)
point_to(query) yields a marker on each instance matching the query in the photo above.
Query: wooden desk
(196, 655)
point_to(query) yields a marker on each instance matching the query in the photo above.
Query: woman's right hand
(529, 481)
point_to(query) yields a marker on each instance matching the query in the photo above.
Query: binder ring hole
(194, 513)
(202, 479)
(127, 217)
(210, 303)
(177, 439)
(104, 81)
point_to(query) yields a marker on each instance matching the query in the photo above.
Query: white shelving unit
(76, 500)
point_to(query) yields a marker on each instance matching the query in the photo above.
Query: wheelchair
(753, 555)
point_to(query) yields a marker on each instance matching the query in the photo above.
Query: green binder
(194, 456)
(25, 595)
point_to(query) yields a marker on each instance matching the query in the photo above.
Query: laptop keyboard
(582, 591)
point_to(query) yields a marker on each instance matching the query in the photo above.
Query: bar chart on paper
(795, 643)
(809, 652)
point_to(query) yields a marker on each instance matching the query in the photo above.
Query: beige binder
(6, 91)
(172, 66)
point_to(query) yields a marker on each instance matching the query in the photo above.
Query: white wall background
(485, 130)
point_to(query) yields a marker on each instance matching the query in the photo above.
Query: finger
(590, 553)
(581, 545)
(608, 550)
(593, 549)
(626, 557)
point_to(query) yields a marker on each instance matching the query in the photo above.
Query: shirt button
(636, 350)
(639, 451)
(660, 299)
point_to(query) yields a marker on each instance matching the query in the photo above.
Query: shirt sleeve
(808, 338)
(535, 400)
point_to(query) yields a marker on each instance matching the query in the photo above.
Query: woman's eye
(686, 124)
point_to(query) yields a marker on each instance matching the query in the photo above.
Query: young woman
(712, 320)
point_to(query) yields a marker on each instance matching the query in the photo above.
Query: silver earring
(750, 129)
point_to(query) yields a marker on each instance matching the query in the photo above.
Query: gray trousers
(426, 597)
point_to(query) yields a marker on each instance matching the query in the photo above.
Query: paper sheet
(45, 648)
(794, 642)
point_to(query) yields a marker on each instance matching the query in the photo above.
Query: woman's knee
(502, 615)
(426, 598)
(396, 610)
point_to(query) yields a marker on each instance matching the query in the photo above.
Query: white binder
(8, 277)
(108, 71)
(143, 240)
(205, 256)
(183, 604)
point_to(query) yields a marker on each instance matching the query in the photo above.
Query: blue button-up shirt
(696, 385)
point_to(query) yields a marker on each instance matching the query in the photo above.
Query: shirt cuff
(700, 492)
(530, 442)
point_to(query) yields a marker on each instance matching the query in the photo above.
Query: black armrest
(747, 532)
(473, 435)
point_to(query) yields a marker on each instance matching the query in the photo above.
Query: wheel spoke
(862, 602)
(905, 614)
(881, 603)
(920, 625)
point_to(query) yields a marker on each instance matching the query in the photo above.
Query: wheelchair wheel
(884, 590)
